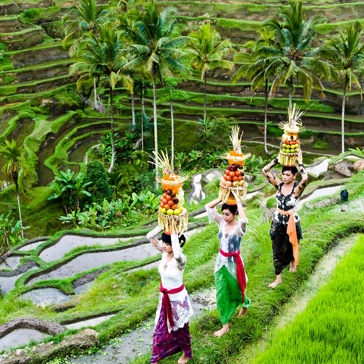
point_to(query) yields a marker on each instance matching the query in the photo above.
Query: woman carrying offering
(171, 334)
(285, 231)
(230, 276)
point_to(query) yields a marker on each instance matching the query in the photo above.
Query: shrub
(97, 177)
(10, 232)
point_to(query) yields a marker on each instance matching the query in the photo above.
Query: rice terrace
(104, 103)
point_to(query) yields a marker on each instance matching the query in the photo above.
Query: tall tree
(346, 51)
(157, 44)
(257, 69)
(168, 94)
(81, 19)
(102, 58)
(291, 55)
(208, 52)
(11, 155)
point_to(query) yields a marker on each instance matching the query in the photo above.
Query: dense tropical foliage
(122, 50)
(346, 52)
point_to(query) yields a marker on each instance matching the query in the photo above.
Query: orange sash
(291, 232)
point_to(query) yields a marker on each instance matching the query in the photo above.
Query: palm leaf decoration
(236, 138)
(294, 120)
(170, 179)
(236, 156)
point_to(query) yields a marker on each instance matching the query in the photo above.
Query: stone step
(37, 72)
(18, 6)
(37, 55)
(26, 38)
(36, 86)
(10, 24)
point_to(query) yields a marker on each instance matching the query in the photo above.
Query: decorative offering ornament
(171, 213)
(290, 144)
(233, 178)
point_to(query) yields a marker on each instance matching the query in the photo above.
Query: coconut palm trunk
(290, 91)
(343, 116)
(155, 123)
(204, 97)
(133, 123)
(142, 114)
(112, 128)
(265, 115)
(20, 216)
(95, 93)
(19, 208)
(172, 127)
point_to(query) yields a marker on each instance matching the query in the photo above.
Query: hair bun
(182, 239)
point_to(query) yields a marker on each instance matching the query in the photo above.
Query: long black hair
(166, 238)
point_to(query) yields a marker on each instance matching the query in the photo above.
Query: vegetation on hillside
(77, 156)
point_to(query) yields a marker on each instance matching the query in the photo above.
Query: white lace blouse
(171, 273)
(229, 242)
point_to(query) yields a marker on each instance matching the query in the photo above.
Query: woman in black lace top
(285, 231)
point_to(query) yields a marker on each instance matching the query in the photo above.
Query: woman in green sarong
(230, 276)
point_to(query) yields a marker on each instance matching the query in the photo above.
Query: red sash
(240, 271)
(166, 303)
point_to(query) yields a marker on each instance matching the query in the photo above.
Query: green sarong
(228, 295)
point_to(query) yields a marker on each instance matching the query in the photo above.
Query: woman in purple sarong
(172, 333)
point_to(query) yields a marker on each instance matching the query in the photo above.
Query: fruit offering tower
(233, 178)
(290, 145)
(171, 211)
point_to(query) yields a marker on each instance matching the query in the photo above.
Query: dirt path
(124, 349)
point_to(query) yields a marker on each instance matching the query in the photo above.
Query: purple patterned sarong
(167, 343)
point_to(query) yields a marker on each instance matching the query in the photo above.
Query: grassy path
(133, 295)
(324, 227)
(299, 301)
(330, 330)
(140, 339)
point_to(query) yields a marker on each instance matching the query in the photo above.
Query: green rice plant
(330, 328)
(320, 144)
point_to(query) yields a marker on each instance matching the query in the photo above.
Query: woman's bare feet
(183, 359)
(292, 267)
(276, 282)
(225, 328)
(243, 312)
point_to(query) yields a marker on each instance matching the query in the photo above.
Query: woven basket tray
(287, 159)
(166, 222)
(239, 190)
(235, 159)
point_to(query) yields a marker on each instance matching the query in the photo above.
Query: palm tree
(158, 45)
(101, 58)
(291, 55)
(346, 51)
(169, 92)
(256, 68)
(12, 154)
(208, 52)
(81, 19)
